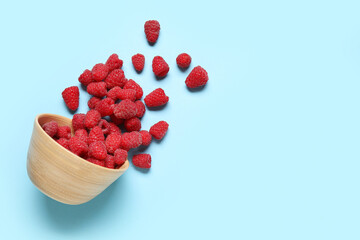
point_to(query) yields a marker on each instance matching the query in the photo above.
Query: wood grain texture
(62, 175)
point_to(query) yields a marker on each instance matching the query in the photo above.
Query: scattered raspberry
(115, 78)
(140, 108)
(156, 98)
(63, 142)
(71, 97)
(142, 160)
(130, 140)
(105, 126)
(112, 142)
(138, 60)
(183, 60)
(86, 77)
(114, 93)
(127, 94)
(152, 30)
(51, 128)
(110, 161)
(99, 72)
(78, 121)
(131, 84)
(113, 128)
(77, 146)
(160, 67)
(93, 101)
(105, 107)
(116, 120)
(92, 119)
(96, 135)
(97, 89)
(125, 109)
(120, 156)
(132, 124)
(197, 77)
(98, 150)
(96, 161)
(158, 130)
(114, 62)
(64, 132)
(146, 137)
(82, 134)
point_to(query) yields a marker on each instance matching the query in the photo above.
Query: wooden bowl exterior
(62, 175)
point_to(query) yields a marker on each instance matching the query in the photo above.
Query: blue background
(269, 149)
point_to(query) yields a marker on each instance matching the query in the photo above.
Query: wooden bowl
(59, 173)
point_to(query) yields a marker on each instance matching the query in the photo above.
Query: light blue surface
(268, 150)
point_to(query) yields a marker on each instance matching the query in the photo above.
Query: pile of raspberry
(112, 126)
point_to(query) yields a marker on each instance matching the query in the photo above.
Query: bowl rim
(123, 168)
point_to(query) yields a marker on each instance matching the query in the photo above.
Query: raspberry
(160, 67)
(110, 161)
(78, 121)
(142, 160)
(51, 128)
(97, 89)
(86, 77)
(112, 142)
(131, 84)
(138, 61)
(115, 120)
(77, 146)
(132, 124)
(92, 119)
(140, 108)
(127, 94)
(98, 150)
(120, 156)
(64, 132)
(115, 78)
(156, 98)
(130, 140)
(93, 101)
(99, 72)
(82, 134)
(71, 97)
(158, 130)
(113, 128)
(197, 77)
(96, 135)
(114, 62)
(63, 142)
(183, 60)
(114, 93)
(96, 161)
(152, 30)
(105, 126)
(125, 109)
(105, 107)
(146, 137)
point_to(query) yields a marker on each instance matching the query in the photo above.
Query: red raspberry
(132, 124)
(64, 132)
(130, 140)
(63, 142)
(131, 84)
(96, 161)
(113, 128)
(99, 72)
(197, 77)
(146, 137)
(110, 161)
(86, 77)
(120, 156)
(105, 126)
(140, 108)
(115, 120)
(158, 130)
(138, 60)
(114, 93)
(152, 30)
(115, 78)
(92, 119)
(93, 101)
(105, 107)
(97, 89)
(142, 160)
(160, 67)
(77, 146)
(82, 134)
(183, 60)
(51, 128)
(98, 150)
(125, 109)
(112, 142)
(96, 135)
(156, 98)
(71, 97)
(114, 62)
(78, 121)
(127, 94)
